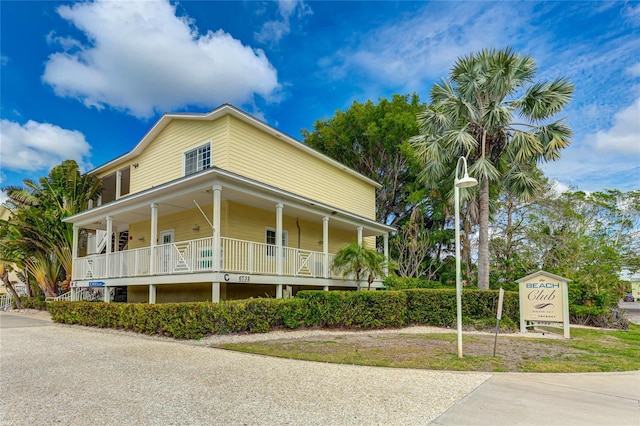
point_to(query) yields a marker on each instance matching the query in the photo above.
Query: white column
(217, 260)
(278, 291)
(360, 235)
(152, 294)
(386, 253)
(325, 246)
(74, 294)
(326, 288)
(118, 183)
(215, 292)
(108, 251)
(152, 245)
(90, 204)
(74, 247)
(279, 239)
(105, 295)
(99, 200)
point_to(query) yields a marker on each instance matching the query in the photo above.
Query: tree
(356, 260)
(373, 140)
(473, 114)
(34, 235)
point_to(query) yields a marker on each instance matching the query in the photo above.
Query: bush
(405, 283)
(333, 309)
(438, 307)
(354, 309)
(596, 316)
(33, 303)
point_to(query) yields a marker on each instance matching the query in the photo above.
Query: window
(197, 159)
(270, 238)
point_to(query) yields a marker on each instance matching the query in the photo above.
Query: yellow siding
(268, 159)
(241, 222)
(162, 160)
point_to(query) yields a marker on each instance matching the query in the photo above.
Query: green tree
(473, 114)
(373, 140)
(34, 235)
(356, 260)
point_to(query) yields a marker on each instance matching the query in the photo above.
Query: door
(166, 255)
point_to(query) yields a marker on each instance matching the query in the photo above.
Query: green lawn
(588, 350)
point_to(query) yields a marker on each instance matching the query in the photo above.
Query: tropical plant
(355, 260)
(35, 235)
(474, 114)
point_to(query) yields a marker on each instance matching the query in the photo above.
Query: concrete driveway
(57, 374)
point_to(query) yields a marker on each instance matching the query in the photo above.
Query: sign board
(544, 299)
(96, 283)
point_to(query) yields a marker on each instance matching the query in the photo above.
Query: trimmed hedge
(333, 309)
(438, 307)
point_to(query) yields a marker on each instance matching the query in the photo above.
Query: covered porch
(218, 208)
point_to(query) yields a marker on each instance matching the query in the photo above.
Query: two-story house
(219, 206)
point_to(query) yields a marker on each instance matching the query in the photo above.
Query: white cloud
(37, 146)
(140, 57)
(273, 31)
(410, 52)
(634, 70)
(624, 135)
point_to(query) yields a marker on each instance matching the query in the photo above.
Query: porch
(197, 256)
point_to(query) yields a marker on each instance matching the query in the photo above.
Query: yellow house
(219, 206)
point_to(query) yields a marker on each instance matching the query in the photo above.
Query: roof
(545, 273)
(222, 111)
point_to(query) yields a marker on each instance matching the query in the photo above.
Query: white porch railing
(238, 256)
(6, 302)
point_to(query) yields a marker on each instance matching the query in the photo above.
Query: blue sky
(87, 80)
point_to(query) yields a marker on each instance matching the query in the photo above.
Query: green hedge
(354, 309)
(438, 307)
(333, 309)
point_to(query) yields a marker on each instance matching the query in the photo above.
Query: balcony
(196, 256)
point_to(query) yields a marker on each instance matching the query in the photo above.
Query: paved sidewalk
(550, 399)
(58, 374)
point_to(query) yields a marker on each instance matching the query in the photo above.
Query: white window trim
(285, 238)
(200, 145)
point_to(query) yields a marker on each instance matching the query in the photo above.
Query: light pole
(465, 182)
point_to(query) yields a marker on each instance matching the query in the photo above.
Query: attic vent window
(197, 159)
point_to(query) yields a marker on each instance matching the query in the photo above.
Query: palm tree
(473, 114)
(35, 233)
(354, 259)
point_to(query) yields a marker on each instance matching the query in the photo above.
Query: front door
(166, 254)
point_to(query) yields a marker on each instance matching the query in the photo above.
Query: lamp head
(466, 182)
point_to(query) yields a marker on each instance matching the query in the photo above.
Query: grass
(588, 350)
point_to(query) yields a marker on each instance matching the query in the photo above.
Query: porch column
(118, 183)
(386, 253)
(215, 292)
(279, 241)
(105, 295)
(152, 294)
(74, 247)
(74, 296)
(152, 245)
(90, 204)
(278, 291)
(108, 250)
(360, 236)
(217, 259)
(326, 288)
(325, 246)
(99, 200)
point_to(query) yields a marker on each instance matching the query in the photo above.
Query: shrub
(33, 303)
(596, 316)
(405, 283)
